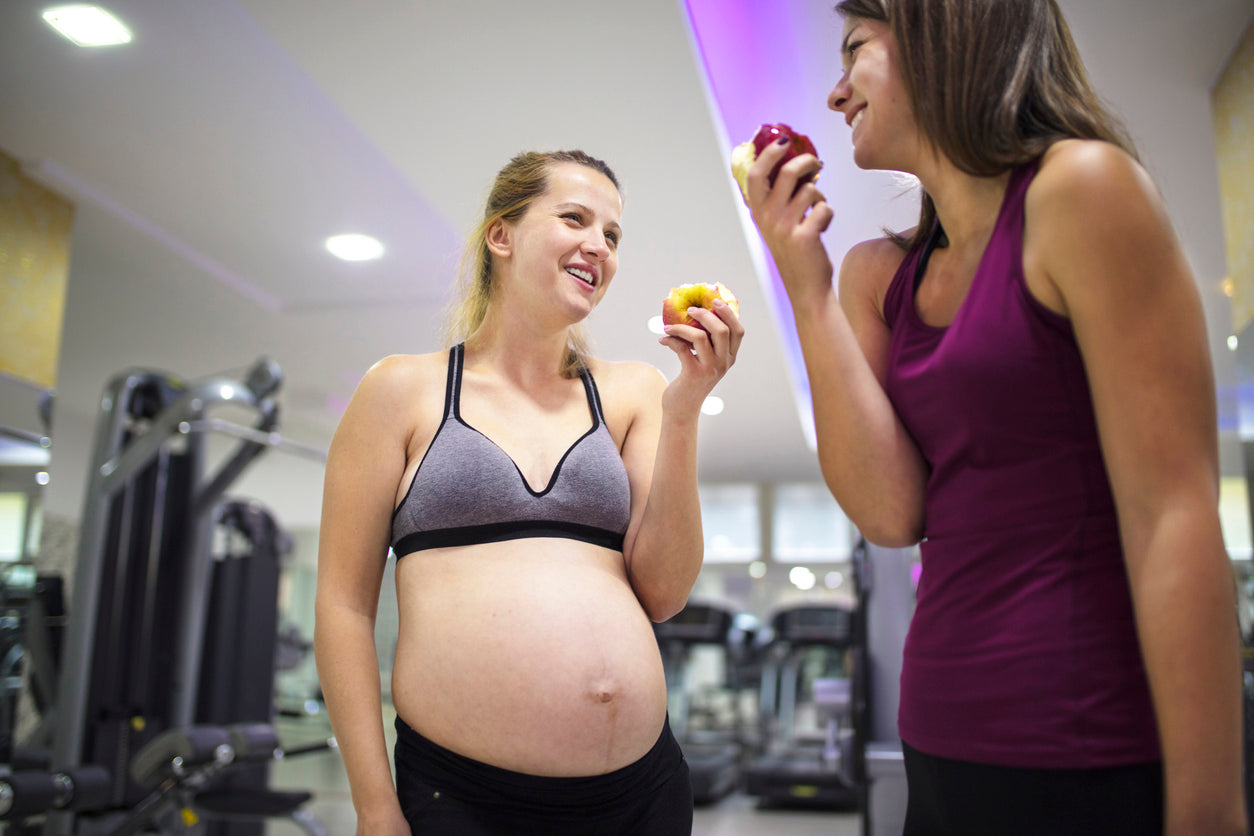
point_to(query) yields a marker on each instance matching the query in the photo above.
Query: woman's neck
(518, 349)
(967, 206)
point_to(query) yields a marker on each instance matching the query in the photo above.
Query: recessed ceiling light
(87, 25)
(353, 247)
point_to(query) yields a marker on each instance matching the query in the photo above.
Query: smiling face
(871, 96)
(563, 253)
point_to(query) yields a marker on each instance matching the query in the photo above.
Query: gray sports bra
(467, 490)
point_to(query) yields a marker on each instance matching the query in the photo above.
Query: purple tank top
(1023, 649)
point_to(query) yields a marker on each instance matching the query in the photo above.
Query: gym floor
(323, 775)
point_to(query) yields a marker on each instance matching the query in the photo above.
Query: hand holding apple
(703, 361)
(745, 153)
(702, 295)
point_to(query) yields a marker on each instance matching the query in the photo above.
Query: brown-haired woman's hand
(791, 214)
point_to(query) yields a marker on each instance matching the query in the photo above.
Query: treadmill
(813, 708)
(714, 751)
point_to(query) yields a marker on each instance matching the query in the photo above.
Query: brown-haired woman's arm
(1099, 237)
(869, 461)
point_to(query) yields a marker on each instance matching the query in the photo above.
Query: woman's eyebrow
(571, 204)
(844, 43)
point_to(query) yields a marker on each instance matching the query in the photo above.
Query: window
(1234, 516)
(808, 526)
(730, 521)
(12, 525)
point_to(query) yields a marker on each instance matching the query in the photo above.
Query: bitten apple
(680, 299)
(745, 153)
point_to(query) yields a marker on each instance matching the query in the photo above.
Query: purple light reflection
(756, 74)
(751, 57)
(776, 61)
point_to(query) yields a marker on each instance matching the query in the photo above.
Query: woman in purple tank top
(1021, 384)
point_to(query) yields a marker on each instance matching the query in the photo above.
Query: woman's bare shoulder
(868, 269)
(884, 251)
(1093, 203)
(403, 379)
(1086, 175)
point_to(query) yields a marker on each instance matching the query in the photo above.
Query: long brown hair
(517, 185)
(993, 83)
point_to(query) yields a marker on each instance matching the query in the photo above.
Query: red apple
(745, 153)
(680, 299)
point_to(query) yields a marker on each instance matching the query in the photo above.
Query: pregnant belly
(532, 655)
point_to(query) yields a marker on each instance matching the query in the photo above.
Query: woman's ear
(500, 238)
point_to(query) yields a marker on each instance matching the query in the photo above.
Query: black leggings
(442, 792)
(971, 799)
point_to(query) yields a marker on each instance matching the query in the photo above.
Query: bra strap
(594, 395)
(453, 383)
(932, 242)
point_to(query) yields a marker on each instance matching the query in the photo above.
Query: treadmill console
(815, 625)
(697, 624)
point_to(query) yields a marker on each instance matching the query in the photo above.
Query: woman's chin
(864, 159)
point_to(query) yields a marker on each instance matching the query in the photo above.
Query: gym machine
(714, 754)
(180, 769)
(1244, 572)
(28, 793)
(153, 644)
(17, 589)
(886, 588)
(817, 650)
(822, 769)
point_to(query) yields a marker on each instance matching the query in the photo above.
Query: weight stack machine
(134, 646)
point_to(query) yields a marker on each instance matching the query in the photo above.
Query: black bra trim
(453, 380)
(935, 238)
(454, 397)
(470, 535)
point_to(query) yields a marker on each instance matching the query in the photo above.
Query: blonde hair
(517, 185)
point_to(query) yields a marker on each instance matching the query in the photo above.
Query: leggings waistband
(477, 782)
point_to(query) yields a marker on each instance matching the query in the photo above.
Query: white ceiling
(209, 158)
